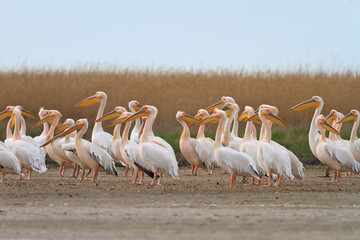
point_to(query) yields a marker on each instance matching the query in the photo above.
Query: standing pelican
(331, 155)
(135, 106)
(99, 137)
(191, 148)
(354, 144)
(228, 139)
(154, 152)
(9, 163)
(92, 155)
(206, 142)
(230, 160)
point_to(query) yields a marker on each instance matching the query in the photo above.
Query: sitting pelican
(230, 160)
(191, 148)
(154, 152)
(92, 155)
(331, 155)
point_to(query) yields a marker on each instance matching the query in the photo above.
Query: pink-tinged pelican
(230, 160)
(99, 137)
(228, 139)
(116, 136)
(275, 159)
(95, 157)
(9, 163)
(191, 148)
(30, 156)
(206, 142)
(314, 135)
(331, 155)
(130, 150)
(155, 153)
(354, 144)
(135, 106)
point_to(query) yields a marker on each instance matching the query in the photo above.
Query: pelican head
(202, 113)
(135, 105)
(69, 122)
(332, 116)
(9, 109)
(52, 114)
(182, 116)
(220, 104)
(144, 111)
(96, 98)
(321, 122)
(229, 108)
(315, 101)
(213, 118)
(352, 115)
(113, 114)
(269, 112)
(120, 119)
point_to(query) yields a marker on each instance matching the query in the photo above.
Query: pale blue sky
(250, 34)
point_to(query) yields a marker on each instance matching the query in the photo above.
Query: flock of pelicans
(149, 154)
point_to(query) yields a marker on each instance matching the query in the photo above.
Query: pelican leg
(78, 171)
(2, 177)
(29, 177)
(154, 179)
(243, 179)
(82, 174)
(278, 181)
(259, 181)
(22, 171)
(334, 177)
(141, 178)
(192, 170)
(136, 176)
(212, 169)
(270, 183)
(337, 176)
(96, 172)
(159, 181)
(132, 173)
(88, 173)
(126, 170)
(195, 170)
(327, 173)
(74, 171)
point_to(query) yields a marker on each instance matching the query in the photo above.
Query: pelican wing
(235, 145)
(297, 168)
(162, 142)
(161, 158)
(240, 162)
(210, 140)
(104, 140)
(208, 144)
(343, 156)
(8, 160)
(250, 148)
(132, 151)
(201, 152)
(102, 157)
(70, 147)
(357, 145)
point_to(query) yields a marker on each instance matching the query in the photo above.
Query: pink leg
(96, 172)
(212, 169)
(195, 170)
(270, 175)
(22, 171)
(159, 181)
(2, 177)
(136, 176)
(192, 170)
(29, 177)
(126, 170)
(132, 173)
(154, 179)
(82, 174)
(141, 178)
(74, 171)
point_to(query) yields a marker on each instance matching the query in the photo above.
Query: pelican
(30, 156)
(130, 150)
(230, 160)
(95, 157)
(228, 139)
(116, 138)
(275, 159)
(354, 144)
(135, 106)
(206, 142)
(249, 144)
(55, 151)
(191, 148)
(314, 135)
(331, 155)
(99, 137)
(41, 139)
(152, 150)
(9, 163)
(335, 116)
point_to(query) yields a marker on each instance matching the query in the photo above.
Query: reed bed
(173, 90)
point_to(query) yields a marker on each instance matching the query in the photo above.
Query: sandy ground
(193, 207)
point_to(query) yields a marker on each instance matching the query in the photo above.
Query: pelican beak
(189, 119)
(350, 116)
(219, 105)
(276, 120)
(209, 119)
(136, 115)
(227, 110)
(12, 124)
(304, 105)
(67, 132)
(108, 116)
(28, 114)
(62, 128)
(118, 120)
(41, 121)
(244, 115)
(5, 114)
(330, 118)
(253, 118)
(198, 117)
(89, 101)
(329, 128)
(137, 107)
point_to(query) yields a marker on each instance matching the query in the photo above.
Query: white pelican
(249, 144)
(9, 163)
(130, 150)
(116, 138)
(95, 157)
(354, 144)
(314, 135)
(228, 139)
(135, 106)
(54, 150)
(274, 158)
(206, 142)
(191, 148)
(30, 156)
(335, 116)
(331, 155)
(154, 152)
(230, 160)
(41, 139)
(99, 137)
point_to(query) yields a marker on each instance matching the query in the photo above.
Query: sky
(181, 34)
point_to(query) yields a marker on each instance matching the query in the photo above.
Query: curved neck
(201, 132)
(23, 126)
(147, 133)
(8, 128)
(98, 125)
(253, 132)
(313, 128)
(235, 129)
(227, 134)
(45, 129)
(354, 129)
(266, 130)
(219, 132)
(125, 135)
(17, 134)
(322, 136)
(137, 121)
(248, 130)
(116, 133)
(52, 128)
(186, 132)
(81, 133)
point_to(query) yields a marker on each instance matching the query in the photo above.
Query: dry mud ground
(193, 207)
